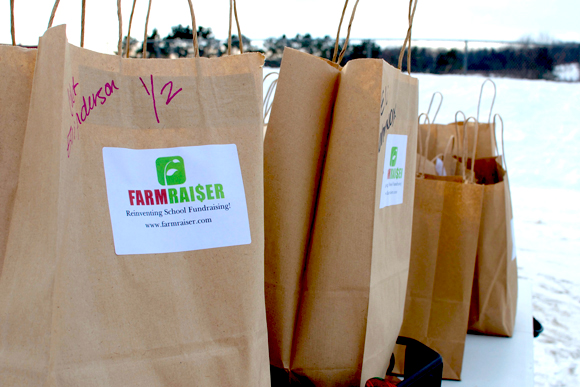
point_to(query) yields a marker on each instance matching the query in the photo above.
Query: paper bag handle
(412, 8)
(12, 32)
(83, 6)
(447, 153)
(459, 145)
(503, 161)
(343, 51)
(448, 149)
(492, 100)
(130, 23)
(424, 151)
(193, 28)
(438, 106)
(241, 41)
(448, 156)
(53, 13)
(55, 6)
(471, 178)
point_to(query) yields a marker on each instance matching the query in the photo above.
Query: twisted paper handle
(343, 51)
(412, 8)
(12, 23)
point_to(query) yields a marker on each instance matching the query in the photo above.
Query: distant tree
(529, 58)
(180, 32)
(247, 43)
(366, 49)
(449, 61)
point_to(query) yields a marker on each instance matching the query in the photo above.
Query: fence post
(465, 53)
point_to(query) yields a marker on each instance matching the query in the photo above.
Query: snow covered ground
(568, 72)
(542, 138)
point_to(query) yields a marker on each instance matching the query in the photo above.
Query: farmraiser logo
(394, 151)
(176, 199)
(394, 173)
(170, 172)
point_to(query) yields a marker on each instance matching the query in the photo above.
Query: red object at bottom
(376, 382)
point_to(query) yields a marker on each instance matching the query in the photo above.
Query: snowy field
(542, 138)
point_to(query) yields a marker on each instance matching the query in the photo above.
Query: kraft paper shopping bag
(353, 296)
(135, 254)
(17, 69)
(446, 222)
(486, 145)
(294, 151)
(495, 285)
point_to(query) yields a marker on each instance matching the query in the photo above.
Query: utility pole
(465, 53)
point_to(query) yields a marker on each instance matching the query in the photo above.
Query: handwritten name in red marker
(94, 99)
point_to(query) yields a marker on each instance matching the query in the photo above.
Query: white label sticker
(176, 199)
(394, 170)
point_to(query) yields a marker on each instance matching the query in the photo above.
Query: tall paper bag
(294, 151)
(17, 69)
(110, 278)
(495, 285)
(353, 298)
(446, 222)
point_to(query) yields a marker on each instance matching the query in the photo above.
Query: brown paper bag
(446, 221)
(356, 275)
(439, 136)
(86, 299)
(486, 145)
(495, 284)
(17, 69)
(294, 150)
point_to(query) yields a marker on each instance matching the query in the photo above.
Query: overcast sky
(444, 19)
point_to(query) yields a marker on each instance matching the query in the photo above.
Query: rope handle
(492, 100)
(53, 13)
(233, 8)
(503, 161)
(193, 28)
(83, 7)
(448, 156)
(449, 148)
(423, 152)
(459, 145)
(447, 153)
(240, 40)
(83, 13)
(438, 107)
(12, 32)
(129, 31)
(343, 51)
(471, 178)
(412, 8)
(120, 42)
